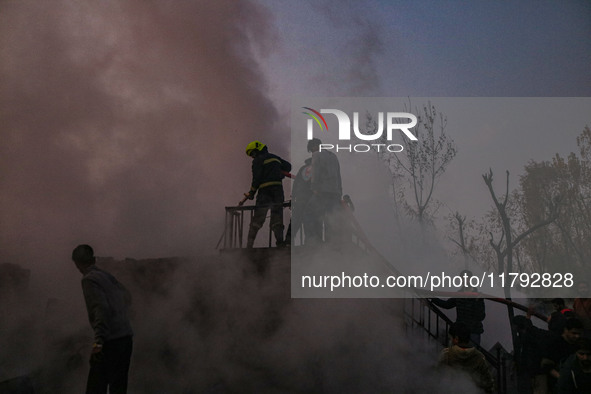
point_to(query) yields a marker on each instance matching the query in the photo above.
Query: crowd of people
(556, 359)
(552, 359)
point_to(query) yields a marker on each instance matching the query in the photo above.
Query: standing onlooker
(557, 319)
(575, 374)
(107, 303)
(582, 307)
(560, 348)
(530, 346)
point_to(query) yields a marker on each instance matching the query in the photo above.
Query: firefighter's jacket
(267, 170)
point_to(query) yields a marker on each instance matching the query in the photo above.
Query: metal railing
(235, 226)
(233, 236)
(419, 312)
(422, 313)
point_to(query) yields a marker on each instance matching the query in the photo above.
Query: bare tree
(464, 241)
(415, 170)
(505, 246)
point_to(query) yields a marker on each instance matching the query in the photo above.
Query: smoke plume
(124, 124)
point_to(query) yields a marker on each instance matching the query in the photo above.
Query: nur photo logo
(400, 121)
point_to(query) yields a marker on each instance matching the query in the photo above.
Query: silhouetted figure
(575, 374)
(470, 311)
(301, 192)
(557, 319)
(267, 175)
(463, 356)
(560, 348)
(529, 349)
(107, 303)
(582, 307)
(326, 189)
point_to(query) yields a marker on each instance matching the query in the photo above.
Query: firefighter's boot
(278, 231)
(252, 234)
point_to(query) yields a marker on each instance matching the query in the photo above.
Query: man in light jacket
(107, 304)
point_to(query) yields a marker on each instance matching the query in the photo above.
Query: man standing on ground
(107, 303)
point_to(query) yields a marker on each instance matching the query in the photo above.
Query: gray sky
(433, 50)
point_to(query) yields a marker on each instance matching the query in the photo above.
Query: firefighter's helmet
(254, 146)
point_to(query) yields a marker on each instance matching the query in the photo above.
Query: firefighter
(267, 174)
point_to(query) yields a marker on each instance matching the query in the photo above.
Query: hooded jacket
(572, 378)
(469, 360)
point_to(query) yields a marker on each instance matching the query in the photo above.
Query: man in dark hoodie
(530, 346)
(461, 355)
(575, 374)
(560, 348)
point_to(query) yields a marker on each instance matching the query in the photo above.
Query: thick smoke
(220, 325)
(124, 124)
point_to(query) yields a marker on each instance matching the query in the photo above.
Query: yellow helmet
(254, 145)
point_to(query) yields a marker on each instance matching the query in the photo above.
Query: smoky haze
(124, 124)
